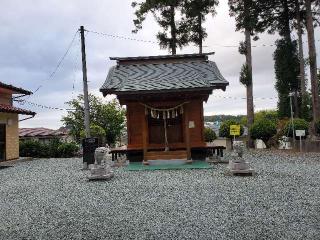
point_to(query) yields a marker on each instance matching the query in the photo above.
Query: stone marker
(98, 171)
(238, 165)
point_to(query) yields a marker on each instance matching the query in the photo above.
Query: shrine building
(164, 98)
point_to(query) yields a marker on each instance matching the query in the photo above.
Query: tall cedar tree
(164, 12)
(278, 16)
(300, 25)
(246, 13)
(313, 62)
(285, 57)
(195, 13)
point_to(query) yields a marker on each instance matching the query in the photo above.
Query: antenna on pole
(85, 84)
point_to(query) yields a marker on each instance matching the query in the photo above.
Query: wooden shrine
(164, 98)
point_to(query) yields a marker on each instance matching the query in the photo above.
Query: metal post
(293, 134)
(85, 84)
(300, 144)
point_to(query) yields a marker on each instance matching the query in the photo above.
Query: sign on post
(300, 133)
(235, 131)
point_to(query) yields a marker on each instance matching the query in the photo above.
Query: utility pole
(85, 84)
(292, 94)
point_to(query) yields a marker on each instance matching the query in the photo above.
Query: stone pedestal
(99, 172)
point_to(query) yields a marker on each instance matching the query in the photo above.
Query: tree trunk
(313, 63)
(173, 31)
(200, 33)
(287, 34)
(286, 30)
(249, 88)
(301, 55)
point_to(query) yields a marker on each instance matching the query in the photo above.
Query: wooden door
(156, 130)
(2, 142)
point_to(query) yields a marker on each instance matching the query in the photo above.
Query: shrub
(209, 135)
(263, 129)
(54, 149)
(271, 115)
(68, 149)
(30, 148)
(224, 130)
(317, 127)
(299, 124)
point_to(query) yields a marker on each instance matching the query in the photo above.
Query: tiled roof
(177, 56)
(15, 89)
(40, 132)
(163, 76)
(11, 109)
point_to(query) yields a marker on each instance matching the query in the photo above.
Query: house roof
(11, 109)
(15, 89)
(163, 73)
(40, 132)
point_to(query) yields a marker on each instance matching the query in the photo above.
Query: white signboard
(300, 133)
(191, 124)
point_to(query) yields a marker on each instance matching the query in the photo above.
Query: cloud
(35, 34)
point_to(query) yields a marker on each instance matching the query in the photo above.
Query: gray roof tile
(163, 76)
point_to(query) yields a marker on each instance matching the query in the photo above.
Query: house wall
(136, 115)
(12, 135)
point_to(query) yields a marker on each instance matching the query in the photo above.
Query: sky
(35, 35)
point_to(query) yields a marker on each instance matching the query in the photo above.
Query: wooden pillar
(144, 136)
(187, 133)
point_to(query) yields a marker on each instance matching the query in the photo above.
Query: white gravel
(51, 199)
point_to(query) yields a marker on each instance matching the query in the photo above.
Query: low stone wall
(308, 146)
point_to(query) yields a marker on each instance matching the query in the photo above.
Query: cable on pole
(58, 65)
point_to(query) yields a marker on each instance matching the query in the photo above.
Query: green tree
(209, 135)
(174, 33)
(195, 12)
(287, 72)
(271, 115)
(313, 61)
(278, 16)
(263, 129)
(298, 123)
(109, 116)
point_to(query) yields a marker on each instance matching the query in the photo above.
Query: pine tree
(174, 33)
(195, 12)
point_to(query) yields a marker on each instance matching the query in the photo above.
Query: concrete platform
(245, 172)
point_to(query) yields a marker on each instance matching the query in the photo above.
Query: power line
(59, 63)
(22, 102)
(154, 42)
(121, 37)
(237, 98)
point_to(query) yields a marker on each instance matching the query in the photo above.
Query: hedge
(53, 149)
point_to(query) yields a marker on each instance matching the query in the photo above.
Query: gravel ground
(51, 199)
